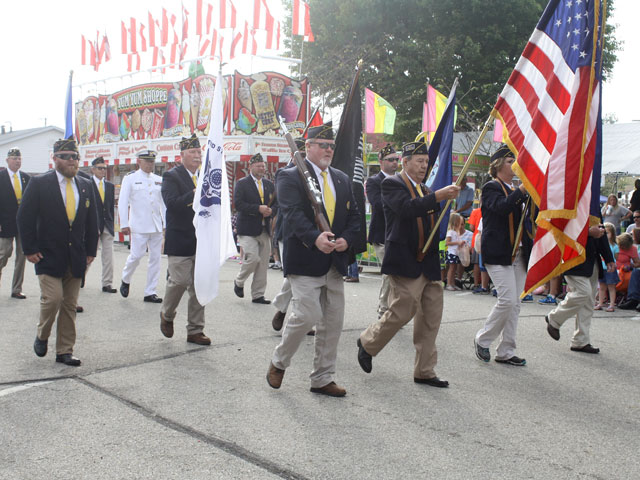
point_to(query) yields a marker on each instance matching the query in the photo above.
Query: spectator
(614, 213)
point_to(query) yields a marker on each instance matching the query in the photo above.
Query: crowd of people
(58, 220)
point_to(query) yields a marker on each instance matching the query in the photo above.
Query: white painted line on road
(19, 388)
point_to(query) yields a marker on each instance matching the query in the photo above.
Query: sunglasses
(636, 216)
(100, 168)
(68, 156)
(324, 146)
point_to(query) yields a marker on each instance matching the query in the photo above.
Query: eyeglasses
(100, 168)
(324, 146)
(67, 156)
(636, 216)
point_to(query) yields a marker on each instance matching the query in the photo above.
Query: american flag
(550, 108)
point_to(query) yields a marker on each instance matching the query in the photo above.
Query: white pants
(283, 298)
(577, 303)
(383, 304)
(503, 318)
(319, 302)
(140, 243)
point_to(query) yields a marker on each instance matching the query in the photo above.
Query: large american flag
(550, 109)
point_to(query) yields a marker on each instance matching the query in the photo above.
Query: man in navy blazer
(58, 225)
(315, 261)
(104, 193)
(388, 158)
(415, 287)
(254, 198)
(13, 183)
(178, 189)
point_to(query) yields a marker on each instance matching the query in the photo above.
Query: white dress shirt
(321, 180)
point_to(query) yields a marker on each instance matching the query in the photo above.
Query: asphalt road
(145, 407)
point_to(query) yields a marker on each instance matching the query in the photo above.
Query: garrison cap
(98, 161)
(415, 148)
(503, 151)
(65, 145)
(188, 143)
(385, 151)
(257, 158)
(321, 132)
(14, 152)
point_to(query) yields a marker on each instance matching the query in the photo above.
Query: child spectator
(610, 279)
(454, 240)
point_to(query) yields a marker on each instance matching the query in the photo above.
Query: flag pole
(461, 175)
(520, 227)
(306, 127)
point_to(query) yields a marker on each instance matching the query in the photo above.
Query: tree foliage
(406, 44)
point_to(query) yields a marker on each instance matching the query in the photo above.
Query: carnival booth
(156, 116)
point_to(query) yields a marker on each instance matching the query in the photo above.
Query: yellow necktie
(101, 190)
(71, 202)
(18, 187)
(329, 200)
(260, 191)
(419, 188)
(195, 180)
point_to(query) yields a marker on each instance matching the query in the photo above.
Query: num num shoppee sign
(157, 115)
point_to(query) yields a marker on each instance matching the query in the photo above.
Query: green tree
(406, 44)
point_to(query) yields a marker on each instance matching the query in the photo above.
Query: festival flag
(550, 108)
(432, 110)
(105, 49)
(228, 14)
(302, 20)
(348, 155)
(380, 115)
(212, 207)
(123, 39)
(497, 131)
(68, 109)
(440, 169)
(316, 120)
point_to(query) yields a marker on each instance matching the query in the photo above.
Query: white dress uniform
(142, 210)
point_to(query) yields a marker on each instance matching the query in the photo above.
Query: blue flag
(440, 171)
(68, 117)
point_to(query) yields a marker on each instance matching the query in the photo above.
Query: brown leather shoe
(166, 327)
(330, 389)
(274, 376)
(199, 338)
(278, 320)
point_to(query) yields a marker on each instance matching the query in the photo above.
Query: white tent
(621, 148)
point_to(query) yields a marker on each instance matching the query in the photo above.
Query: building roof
(17, 135)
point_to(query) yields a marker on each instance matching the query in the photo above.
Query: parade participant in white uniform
(142, 215)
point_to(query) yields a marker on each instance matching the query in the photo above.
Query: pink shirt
(625, 256)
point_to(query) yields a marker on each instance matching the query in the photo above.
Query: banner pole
(463, 172)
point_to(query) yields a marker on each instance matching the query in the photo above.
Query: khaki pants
(181, 279)
(59, 296)
(255, 260)
(316, 301)
(578, 303)
(383, 304)
(6, 249)
(105, 242)
(405, 296)
(283, 298)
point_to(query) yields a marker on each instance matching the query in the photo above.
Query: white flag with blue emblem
(212, 206)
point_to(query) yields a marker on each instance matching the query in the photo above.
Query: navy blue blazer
(377, 226)
(105, 210)
(594, 249)
(177, 193)
(9, 203)
(44, 226)
(301, 256)
(247, 201)
(496, 238)
(402, 214)
(277, 232)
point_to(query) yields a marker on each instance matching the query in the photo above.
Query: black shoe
(586, 349)
(153, 298)
(364, 359)
(40, 347)
(19, 295)
(434, 382)
(517, 361)
(124, 289)
(79, 309)
(553, 331)
(311, 333)
(239, 291)
(109, 289)
(481, 352)
(278, 320)
(261, 300)
(630, 304)
(68, 359)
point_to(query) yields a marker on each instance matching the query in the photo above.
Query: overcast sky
(40, 43)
